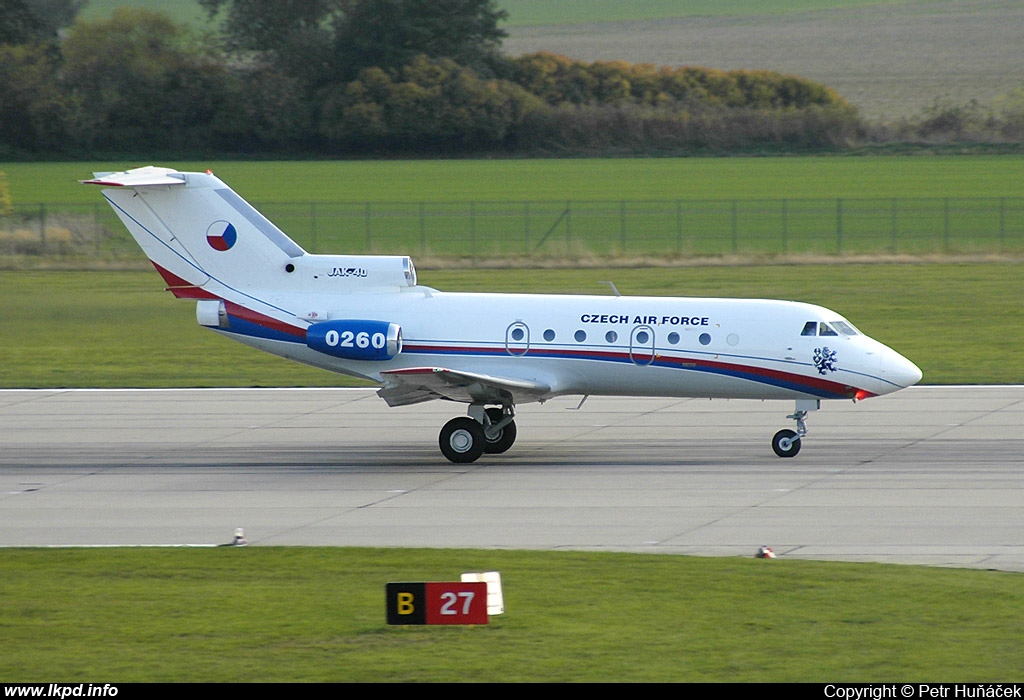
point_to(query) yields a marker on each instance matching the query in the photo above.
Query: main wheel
(498, 441)
(786, 443)
(462, 440)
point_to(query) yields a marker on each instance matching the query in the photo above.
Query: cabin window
(580, 336)
(643, 338)
(549, 335)
(810, 328)
(673, 338)
(611, 336)
(705, 338)
(518, 333)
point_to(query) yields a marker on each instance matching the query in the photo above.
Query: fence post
(1002, 224)
(735, 225)
(785, 227)
(369, 238)
(895, 235)
(526, 228)
(679, 227)
(423, 229)
(839, 226)
(312, 216)
(622, 226)
(568, 226)
(945, 227)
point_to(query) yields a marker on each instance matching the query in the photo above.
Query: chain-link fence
(576, 229)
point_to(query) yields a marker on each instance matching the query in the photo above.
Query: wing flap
(404, 387)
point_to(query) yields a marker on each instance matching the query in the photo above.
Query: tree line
(384, 77)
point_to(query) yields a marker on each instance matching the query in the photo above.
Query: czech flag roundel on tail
(221, 235)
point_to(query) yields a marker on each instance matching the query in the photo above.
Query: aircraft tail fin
(201, 236)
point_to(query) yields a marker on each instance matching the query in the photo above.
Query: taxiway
(931, 475)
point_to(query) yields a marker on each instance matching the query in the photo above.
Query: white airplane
(365, 316)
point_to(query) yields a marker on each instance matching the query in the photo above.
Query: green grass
(961, 323)
(560, 180)
(532, 12)
(673, 208)
(317, 614)
(181, 11)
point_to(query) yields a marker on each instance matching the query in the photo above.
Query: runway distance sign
(437, 603)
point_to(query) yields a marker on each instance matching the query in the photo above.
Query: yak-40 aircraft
(365, 316)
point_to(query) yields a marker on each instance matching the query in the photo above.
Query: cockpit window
(845, 328)
(812, 328)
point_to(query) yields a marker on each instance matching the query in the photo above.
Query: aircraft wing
(418, 384)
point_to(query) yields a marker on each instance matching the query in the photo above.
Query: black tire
(496, 443)
(786, 443)
(462, 440)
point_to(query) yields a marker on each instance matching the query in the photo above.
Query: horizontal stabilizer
(419, 384)
(139, 177)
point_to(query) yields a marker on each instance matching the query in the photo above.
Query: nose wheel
(786, 443)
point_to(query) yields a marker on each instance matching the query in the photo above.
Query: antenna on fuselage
(614, 288)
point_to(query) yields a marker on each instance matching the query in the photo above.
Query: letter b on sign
(406, 604)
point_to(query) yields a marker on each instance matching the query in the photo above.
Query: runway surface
(930, 475)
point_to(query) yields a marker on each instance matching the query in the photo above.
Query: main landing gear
(490, 430)
(786, 443)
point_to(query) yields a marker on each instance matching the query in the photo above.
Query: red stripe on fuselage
(238, 311)
(750, 372)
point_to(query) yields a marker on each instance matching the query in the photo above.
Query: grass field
(530, 12)
(560, 180)
(181, 11)
(534, 12)
(961, 323)
(647, 210)
(317, 614)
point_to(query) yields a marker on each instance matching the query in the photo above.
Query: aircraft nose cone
(901, 371)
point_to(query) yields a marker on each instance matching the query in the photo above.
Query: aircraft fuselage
(646, 346)
(366, 316)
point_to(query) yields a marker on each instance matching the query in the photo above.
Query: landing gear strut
(499, 430)
(786, 443)
(491, 430)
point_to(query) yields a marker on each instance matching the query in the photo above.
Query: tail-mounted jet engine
(356, 340)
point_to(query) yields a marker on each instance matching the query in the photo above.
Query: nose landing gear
(786, 443)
